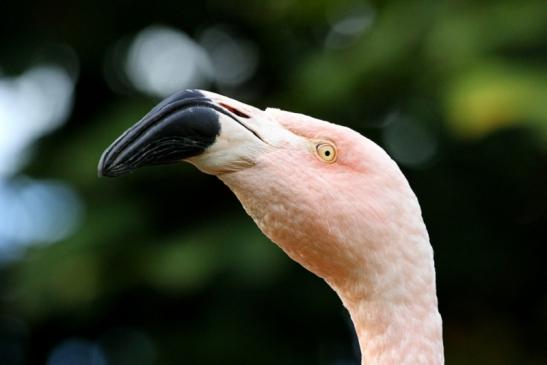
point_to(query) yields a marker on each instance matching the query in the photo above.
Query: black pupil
(327, 153)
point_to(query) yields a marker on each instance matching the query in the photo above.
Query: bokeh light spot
(162, 60)
(408, 141)
(31, 105)
(77, 351)
(234, 59)
(348, 22)
(33, 211)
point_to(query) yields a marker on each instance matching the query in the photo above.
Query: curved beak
(215, 133)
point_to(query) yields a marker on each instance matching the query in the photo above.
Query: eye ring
(326, 151)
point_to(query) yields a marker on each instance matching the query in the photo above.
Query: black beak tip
(106, 169)
(103, 171)
(101, 168)
(181, 126)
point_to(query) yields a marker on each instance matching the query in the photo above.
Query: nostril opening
(237, 112)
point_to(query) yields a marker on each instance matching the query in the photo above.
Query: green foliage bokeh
(168, 256)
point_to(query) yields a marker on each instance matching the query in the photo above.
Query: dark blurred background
(164, 267)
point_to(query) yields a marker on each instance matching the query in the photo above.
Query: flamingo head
(332, 199)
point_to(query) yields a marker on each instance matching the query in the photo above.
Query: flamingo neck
(397, 319)
(397, 333)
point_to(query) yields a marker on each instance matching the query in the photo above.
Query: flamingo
(330, 198)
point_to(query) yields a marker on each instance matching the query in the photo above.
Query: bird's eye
(326, 151)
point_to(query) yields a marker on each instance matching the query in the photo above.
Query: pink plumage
(335, 202)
